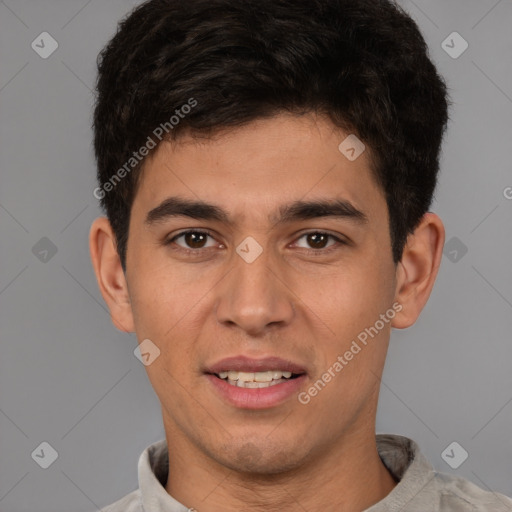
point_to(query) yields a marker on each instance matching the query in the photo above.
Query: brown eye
(318, 240)
(192, 239)
(195, 240)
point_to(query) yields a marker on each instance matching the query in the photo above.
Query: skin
(321, 456)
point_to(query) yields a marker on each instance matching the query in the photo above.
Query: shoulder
(456, 493)
(130, 503)
(422, 489)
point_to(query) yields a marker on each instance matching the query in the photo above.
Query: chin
(260, 459)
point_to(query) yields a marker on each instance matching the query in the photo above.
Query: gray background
(69, 378)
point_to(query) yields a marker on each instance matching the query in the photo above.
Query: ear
(417, 270)
(109, 274)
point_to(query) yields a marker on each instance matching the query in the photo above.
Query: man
(267, 168)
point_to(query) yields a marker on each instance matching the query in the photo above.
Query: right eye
(193, 238)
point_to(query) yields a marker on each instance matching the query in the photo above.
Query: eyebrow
(297, 210)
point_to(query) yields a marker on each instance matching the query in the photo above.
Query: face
(261, 282)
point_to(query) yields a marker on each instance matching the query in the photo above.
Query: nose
(253, 296)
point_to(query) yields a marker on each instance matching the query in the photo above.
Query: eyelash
(315, 252)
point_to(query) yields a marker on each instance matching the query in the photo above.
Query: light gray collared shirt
(419, 488)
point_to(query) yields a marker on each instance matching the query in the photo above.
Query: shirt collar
(403, 459)
(153, 470)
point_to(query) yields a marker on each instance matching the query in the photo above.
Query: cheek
(166, 304)
(159, 291)
(349, 298)
(352, 307)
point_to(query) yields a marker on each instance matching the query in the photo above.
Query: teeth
(247, 384)
(255, 379)
(245, 377)
(242, 384)
(263, 376)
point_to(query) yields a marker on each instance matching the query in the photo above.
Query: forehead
(255, 169)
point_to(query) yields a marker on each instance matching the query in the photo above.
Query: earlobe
(417, 270)
(109, 274)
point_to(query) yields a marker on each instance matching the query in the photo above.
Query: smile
(256, 379)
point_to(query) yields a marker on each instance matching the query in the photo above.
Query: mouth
(248, 383)
(253, 380)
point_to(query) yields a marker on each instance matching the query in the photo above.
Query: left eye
(318, 239)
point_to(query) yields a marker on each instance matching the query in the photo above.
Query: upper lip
(247, 364)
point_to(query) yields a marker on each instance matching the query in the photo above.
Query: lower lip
(256, 398)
